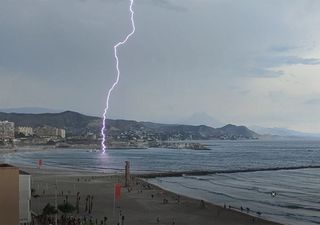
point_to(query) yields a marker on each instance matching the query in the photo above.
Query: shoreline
(57, 173)
(165, 145)
(234, 209)
(142, 198)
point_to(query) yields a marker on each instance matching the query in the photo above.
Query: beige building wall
(9, 195)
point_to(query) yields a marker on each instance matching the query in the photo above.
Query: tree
(66, 208)
(19, 135)
(49, 210)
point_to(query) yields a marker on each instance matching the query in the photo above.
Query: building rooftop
(5, 165)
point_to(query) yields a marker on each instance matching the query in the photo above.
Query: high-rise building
(50, 132)
(6, 130)
(61, 133)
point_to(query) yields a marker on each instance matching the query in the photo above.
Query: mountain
(74, 123)
(201, 118)
(239, 131)
(282, 132)
(79, 124)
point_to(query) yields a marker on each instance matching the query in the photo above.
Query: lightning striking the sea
(104, 127)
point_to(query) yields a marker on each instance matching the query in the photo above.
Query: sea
(284, 196)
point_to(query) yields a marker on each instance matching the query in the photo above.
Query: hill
(79, 124)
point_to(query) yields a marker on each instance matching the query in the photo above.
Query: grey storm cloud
(183, 58)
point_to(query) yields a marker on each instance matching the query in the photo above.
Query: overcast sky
(242, 62)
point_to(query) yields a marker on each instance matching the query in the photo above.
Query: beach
(141, 204)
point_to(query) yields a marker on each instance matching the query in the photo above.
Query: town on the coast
(74, 130)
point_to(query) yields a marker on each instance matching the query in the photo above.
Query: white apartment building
(50, 132)
(27, 131)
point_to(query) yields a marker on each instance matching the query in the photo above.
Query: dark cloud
(184, 55)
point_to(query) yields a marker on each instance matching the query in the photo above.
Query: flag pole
(114, 198)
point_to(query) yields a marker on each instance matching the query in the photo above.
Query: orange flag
(117, 191)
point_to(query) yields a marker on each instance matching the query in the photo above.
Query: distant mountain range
(79, 124)
(202, 118)
(282, 132)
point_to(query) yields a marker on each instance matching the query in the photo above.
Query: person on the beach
(122, 220)
(91, 203)
(202, 205)
(86, 208)
(158, 220)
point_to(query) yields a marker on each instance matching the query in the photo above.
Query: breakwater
(203, 173)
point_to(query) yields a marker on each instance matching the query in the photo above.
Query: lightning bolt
(104, 127)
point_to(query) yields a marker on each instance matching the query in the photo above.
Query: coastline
(142, 204)
(96, 147)
(56, 171)
(252, 214)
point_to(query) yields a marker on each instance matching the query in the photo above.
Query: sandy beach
(143, 204)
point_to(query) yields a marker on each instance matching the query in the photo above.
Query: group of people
(65, 220)
(242, 209)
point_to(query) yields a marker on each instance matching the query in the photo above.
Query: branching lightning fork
(104, 127)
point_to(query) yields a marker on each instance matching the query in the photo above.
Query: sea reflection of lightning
(104, 127)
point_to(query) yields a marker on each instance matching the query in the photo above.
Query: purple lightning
(103, 129)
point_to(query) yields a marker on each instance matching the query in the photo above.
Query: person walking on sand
(91, 204)
(122, 220)
(86, 209)
(202, 204)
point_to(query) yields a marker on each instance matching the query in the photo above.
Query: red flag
(117, 191)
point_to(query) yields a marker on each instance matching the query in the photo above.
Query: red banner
(117, 191)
